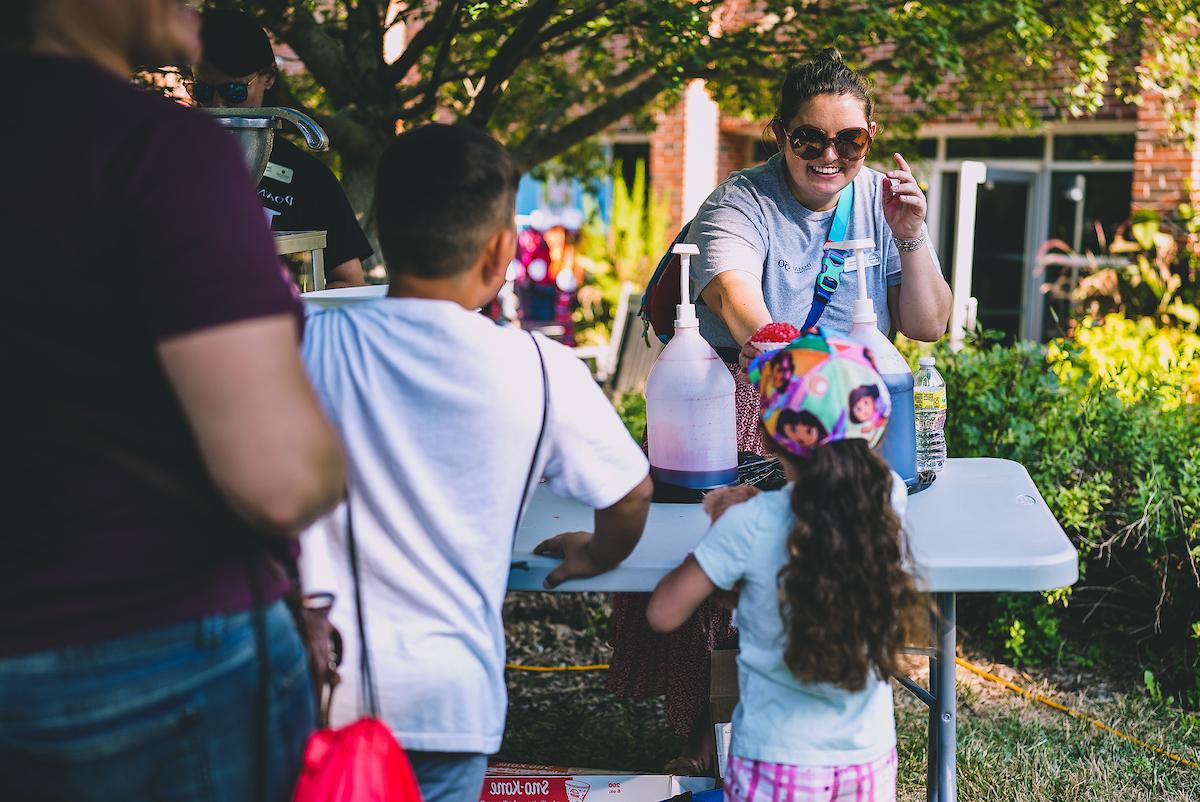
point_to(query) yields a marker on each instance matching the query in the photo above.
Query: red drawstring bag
(363, 761)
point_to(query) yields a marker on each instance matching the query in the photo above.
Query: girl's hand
(904, 204)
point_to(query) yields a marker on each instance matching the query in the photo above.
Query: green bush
(1116, 456)
(627, 249)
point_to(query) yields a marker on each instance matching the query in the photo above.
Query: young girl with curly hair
(824, 600)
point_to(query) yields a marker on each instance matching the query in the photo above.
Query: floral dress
(646, 663)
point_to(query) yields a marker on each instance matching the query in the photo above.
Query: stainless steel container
(255, 129)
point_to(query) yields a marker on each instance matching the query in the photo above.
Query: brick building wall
(735, 152)
(667, 163)
(1166, 172)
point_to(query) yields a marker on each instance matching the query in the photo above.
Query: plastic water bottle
(929, 405)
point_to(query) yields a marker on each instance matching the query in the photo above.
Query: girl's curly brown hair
(847, 602)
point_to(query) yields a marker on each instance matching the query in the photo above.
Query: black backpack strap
(656, 277)
(529, 477)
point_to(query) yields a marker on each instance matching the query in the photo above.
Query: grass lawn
(1009, 748)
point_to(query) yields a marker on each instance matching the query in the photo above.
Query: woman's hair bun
(826, 74)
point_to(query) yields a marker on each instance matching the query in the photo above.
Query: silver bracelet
(909, 245)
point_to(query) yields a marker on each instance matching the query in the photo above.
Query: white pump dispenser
(685, 310)
(691, 425)
(899, 445)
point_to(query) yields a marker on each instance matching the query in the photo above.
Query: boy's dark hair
(441, 192)
(790, 417)
(847, 602)
(827, 74)
(234, 43)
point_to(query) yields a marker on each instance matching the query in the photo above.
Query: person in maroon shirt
(157, 432)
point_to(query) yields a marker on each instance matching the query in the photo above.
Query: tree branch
(447, 12)
(364, 27)
(323, 56)
(537, 148)
(348, 136)
(576, 20)
(439, 63)
(516, 48)
(402, 96)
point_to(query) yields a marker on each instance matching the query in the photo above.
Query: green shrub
(1134, 358)
(632, 409)
(627, 249)
(1112, 444)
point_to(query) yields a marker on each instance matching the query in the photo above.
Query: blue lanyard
(831, 265)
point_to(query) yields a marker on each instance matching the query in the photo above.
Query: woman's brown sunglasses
(809, 142)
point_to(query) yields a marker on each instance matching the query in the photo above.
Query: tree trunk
(358, 180)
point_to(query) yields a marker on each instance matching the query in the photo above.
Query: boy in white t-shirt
(440, 412)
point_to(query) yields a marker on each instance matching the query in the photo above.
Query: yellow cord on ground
(1100, 725)
(597, 667)
(974, 669)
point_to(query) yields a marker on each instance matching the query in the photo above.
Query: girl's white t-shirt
(779, 719)
(439, 411)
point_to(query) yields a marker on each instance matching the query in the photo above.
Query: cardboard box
(722, 735)
(722, 699)
(722, 685)
(515, 782)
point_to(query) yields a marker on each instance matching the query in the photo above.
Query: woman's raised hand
(904, 204)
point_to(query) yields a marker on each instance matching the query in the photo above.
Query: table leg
(946, 696)
(318, 268)
(931, 751)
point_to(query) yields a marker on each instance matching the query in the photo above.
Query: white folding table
(982, 526)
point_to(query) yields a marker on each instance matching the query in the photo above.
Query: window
(996, 147)
(763, 150)
(1105, 199)
(1094, 147)
(628, 154)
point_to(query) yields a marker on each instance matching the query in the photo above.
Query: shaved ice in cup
(774, 336)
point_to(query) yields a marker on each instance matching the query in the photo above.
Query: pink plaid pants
(759, 781)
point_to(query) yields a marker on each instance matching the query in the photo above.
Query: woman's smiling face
(816, 182)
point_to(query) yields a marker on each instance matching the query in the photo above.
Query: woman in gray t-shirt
(760, 235)
(761, 232)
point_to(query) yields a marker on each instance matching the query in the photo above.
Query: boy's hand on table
(578, 559)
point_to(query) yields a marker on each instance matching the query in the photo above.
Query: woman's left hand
(904, 204)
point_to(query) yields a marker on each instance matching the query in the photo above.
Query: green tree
(545, 76)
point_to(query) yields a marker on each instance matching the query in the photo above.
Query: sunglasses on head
(232, 92)
(809, 142)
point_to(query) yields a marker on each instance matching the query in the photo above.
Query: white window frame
(933, 171)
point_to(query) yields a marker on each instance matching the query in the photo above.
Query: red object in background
(547, 280)
(361, 762)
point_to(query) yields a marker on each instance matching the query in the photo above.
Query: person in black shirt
(297, 191)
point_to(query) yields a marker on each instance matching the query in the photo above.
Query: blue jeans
(449, 776)
(164, 714)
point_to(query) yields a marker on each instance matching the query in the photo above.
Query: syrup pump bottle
(690, 413)
(899, 445)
